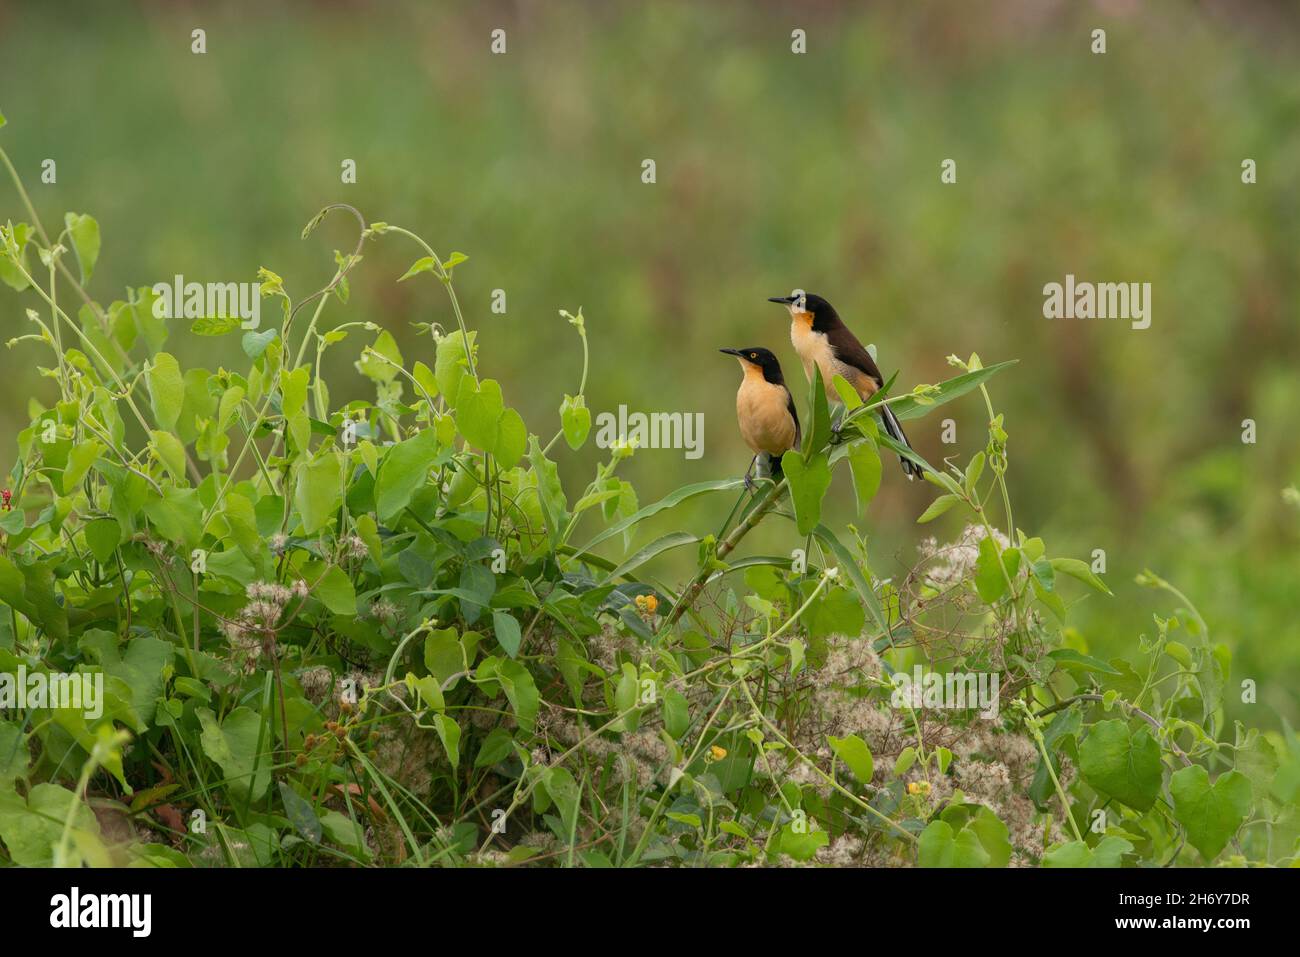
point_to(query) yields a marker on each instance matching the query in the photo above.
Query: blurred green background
(774, 170)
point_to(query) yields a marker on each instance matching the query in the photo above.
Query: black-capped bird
(765, 409)
(820, 336)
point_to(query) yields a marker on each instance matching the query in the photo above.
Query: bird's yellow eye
(753, 355)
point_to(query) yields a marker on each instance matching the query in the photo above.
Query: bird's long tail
(895, 432)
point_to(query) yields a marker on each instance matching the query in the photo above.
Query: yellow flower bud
(717, 753)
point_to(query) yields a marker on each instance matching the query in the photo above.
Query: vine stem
(1034, 730)
(692, 591)
(1132, 709)
(62, 266)
(776, 732)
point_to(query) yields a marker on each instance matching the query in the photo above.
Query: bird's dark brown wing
(851, 352)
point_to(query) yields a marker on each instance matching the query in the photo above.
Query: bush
(385, 633)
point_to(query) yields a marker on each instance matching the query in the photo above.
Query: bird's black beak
(732, 352)
(783, 300)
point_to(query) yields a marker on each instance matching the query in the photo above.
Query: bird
(769, 423)
(821, 337)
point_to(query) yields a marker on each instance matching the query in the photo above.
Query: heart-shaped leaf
(941, 846)
(854, 752)
(478, 412)
(1211, 813)
(1122, 763)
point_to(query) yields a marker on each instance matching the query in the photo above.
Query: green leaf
(937, 508)
(564, 791)
(102, 538)
(242, 520)
(442, 654)
(372, 363)
(233, 745)
(512, 439)
(29, 588)
(521, 691)
(802, 846)
(423, 264)
(256, 343)
(907, 407)
(941, 846)
(864, 466)
(80, 459)
(655, 548)
(506, 627)
(141, 664)
(1069, 658)
(293, 403)
(334, 590)
(993, 834)
(84, 231)
(215, 325)
(10, 271)
(478, 412)
(1211, 814)
(989, 580)
(14, 756)
(837, 612)
(170, 452)
(318, 492)
(404, 470)
(428, 690)
(906, 758)
(496, 747)
(300, 814)
(626, 695)
(1080, 570)
(166, 390)
(808, 481)
(550, 493)
(853, 751)
(575, 419)
(676, 713)
(449, 734)
(451, 363)
(973, 472)
(425, 378)
(345, 832)
(819, 428)
(848, 565)
(1108, 853)
(177, 516)
(668, 501)
(31, 828)
(1122, 763)
(1042, 570)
